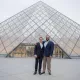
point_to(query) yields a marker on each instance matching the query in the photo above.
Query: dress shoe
(39, 73)
(35, 73)
(43, 73)
(49, 73)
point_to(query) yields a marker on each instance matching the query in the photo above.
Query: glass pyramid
(38, 20)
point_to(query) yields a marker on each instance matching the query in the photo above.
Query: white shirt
(41, 45)
(45, 44)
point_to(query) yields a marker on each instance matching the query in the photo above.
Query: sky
(70, 8)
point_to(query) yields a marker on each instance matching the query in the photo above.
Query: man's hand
(35, 56)
(51, 56)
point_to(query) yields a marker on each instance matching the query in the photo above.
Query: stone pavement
(23, 68)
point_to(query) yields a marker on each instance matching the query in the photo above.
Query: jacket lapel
(39, 46)
(47, 44)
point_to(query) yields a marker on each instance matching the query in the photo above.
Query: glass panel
(51, 34)
(47, 30)
(56, 39)
(73, 39)
(64, 39)
(8, 30)
(61, 43)
(1, 30)
(68, 49)
(70, 44)
(6, 26)
(67, 35)
(9, 48)
(4, 38)
(2, 34)
(7, 43)
(78, 43)
(13, 38)
(1, 47)
(77, 50)
(74, 54)
(3, 53)
(0, 41)
(10, 34)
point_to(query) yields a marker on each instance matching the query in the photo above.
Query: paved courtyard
(23, 68)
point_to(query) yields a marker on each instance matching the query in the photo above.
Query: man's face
(47, 38)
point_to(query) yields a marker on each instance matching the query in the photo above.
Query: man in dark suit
(48, 52)
(38, 54)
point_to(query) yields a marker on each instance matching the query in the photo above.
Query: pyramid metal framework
(38, 20)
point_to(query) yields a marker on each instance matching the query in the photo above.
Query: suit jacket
(38, 50)
(48, 50)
